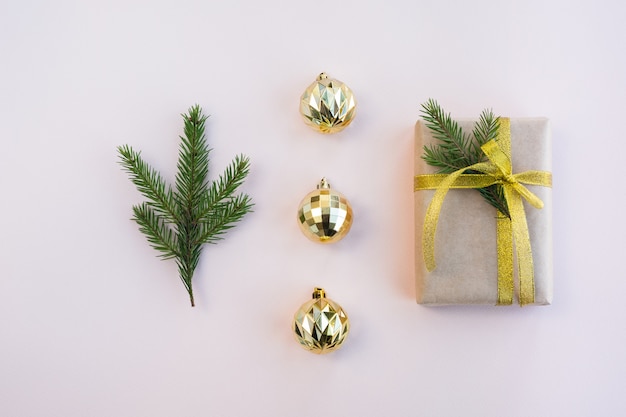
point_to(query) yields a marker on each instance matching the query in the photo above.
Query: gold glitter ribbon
(498, 170)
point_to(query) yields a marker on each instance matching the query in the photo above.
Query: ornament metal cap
(318, 293)
(325, 215)
(327, 105)
(320, 325)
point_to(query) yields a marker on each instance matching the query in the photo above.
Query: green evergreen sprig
(457, 150)
(178, 222)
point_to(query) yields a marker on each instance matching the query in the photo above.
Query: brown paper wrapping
(465, 244)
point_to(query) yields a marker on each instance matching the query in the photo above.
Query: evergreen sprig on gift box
(457, 150)
(177, 222)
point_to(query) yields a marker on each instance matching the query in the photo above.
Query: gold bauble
(327, 105)
(320, 325)
(325, 215)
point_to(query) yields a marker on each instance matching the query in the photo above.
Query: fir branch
(223, 217)
(158, 233)
(193, 161)
(225, 186)
(456, 150)
(485, 130)
(149, 183)
(193, 168)
(178, 223)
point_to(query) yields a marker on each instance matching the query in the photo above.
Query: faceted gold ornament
(325, 215)
(328, 105)
(320, 325)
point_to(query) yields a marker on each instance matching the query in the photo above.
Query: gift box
(466, 246)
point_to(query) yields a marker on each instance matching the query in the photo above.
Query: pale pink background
(93, 324)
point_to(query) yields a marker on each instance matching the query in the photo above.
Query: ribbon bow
(497, 170)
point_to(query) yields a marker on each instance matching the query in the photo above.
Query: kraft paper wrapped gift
(465, 242)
